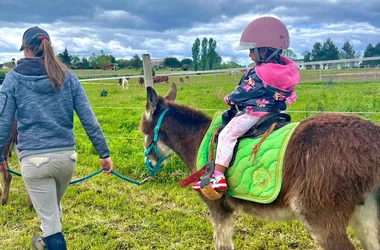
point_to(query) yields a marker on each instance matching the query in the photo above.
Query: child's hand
(227, 101)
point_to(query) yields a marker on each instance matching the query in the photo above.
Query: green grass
(105, 212)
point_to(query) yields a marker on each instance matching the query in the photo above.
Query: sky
(168, 28)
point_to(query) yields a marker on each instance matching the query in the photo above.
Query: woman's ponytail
(54, 68)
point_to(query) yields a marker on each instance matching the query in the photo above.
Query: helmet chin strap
(272, 55)
(256, 51)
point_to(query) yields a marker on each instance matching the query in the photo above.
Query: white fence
(181, 73)
(328, 71)
(321, 71)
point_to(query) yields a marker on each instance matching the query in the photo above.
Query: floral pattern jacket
(265, 88)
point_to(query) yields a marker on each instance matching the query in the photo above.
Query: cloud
(169, 27)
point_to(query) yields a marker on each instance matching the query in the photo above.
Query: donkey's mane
(186, 115)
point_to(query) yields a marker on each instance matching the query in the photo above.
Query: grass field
(105, 212)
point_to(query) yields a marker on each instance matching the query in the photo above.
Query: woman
(43, 95)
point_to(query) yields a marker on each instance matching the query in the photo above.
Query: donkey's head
(153, 127)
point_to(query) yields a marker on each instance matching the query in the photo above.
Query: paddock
(105, 212)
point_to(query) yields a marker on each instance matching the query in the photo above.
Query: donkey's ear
(172, 94)
(151, 100)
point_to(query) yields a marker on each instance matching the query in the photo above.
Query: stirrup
(210, 193)
(197, 175)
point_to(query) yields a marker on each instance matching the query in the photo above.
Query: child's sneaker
(217, 182)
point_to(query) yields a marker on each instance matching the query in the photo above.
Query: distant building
(110, 67)
(299, 63)
(156, 62)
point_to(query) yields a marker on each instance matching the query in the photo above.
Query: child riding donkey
(265, 88)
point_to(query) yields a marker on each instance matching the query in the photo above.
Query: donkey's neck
(187, 129)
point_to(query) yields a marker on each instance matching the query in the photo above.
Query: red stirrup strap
(194, 177)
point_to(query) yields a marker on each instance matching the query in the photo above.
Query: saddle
(265, 182)
(281, 119)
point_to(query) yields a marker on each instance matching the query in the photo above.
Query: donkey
(7, 177)
(123, 82)
(331, 173)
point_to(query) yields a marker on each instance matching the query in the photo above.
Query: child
(265, 88)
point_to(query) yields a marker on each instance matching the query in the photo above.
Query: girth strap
(256, 148)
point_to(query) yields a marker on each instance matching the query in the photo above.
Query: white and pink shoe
(218, 183)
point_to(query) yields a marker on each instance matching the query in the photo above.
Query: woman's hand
(106, 165)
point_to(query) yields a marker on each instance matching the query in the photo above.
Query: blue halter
(153, 146)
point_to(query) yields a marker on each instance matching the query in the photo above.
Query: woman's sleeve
(88, 119)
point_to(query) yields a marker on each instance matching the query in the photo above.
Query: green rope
(89, 176)
(13, 172)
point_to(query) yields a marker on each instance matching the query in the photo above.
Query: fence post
(147, 70)
(375, 76)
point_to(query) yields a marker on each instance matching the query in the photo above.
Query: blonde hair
(55, 70)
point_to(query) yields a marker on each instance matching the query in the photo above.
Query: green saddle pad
(259, 181)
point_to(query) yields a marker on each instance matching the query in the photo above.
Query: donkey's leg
(326, 225)
(1, 185)
(330, 234)
(7, 184)
(223, 224)
(365, 222)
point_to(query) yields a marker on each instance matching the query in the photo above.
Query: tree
(74, 60)
(172, 62)
(348, 50)
(204, 53)
(290, 54)
(217, 61)
(211, 53)
(104, 60)
(306, 56)
(195, 49)
(84, 63)
(316, 52)
(329, 50)
(209, 58)
(93, 60)
(121, 63)
(371, 51)
(186, 61)
(113, 59)
(185, 67)
(136, 62)
(64, 57)
(377, 49)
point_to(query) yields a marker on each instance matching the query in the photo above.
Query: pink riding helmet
(265, 32)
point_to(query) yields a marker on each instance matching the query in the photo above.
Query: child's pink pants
(237, 127)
